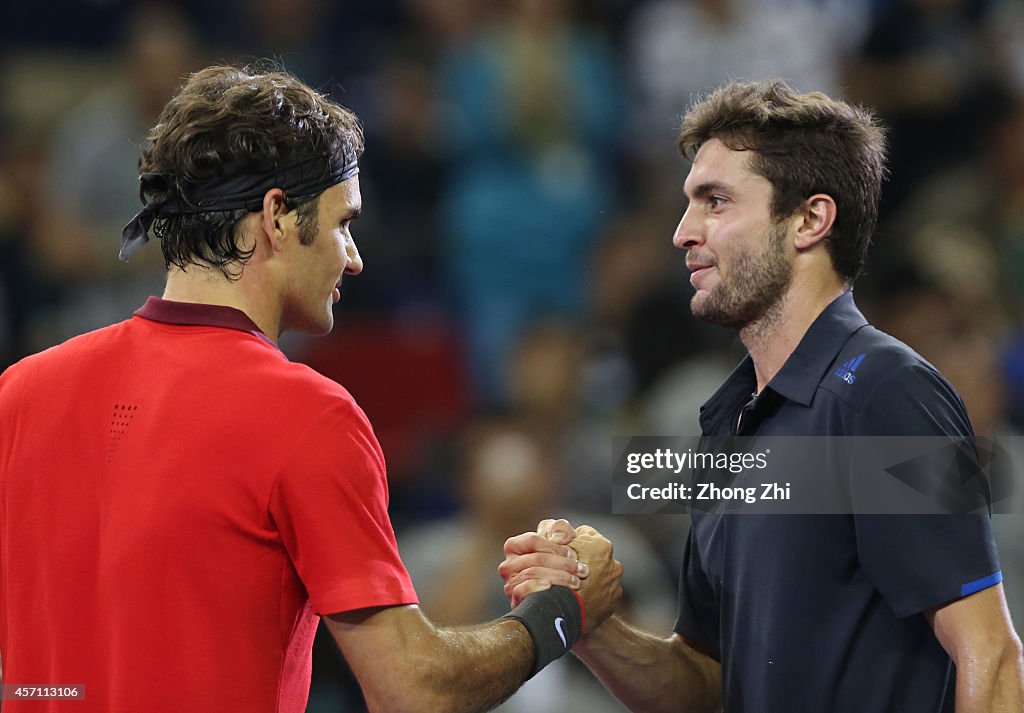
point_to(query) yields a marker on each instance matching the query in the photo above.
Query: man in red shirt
(179, 502)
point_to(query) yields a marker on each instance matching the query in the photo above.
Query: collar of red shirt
(200, 315)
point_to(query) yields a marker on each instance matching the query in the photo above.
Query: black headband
(235, 190)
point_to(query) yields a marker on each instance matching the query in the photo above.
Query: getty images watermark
(690, 461)
(817, 475)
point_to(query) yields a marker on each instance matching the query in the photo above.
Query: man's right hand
(537, 560)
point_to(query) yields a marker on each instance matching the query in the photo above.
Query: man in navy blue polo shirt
(859, 613)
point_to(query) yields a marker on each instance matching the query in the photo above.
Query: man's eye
(716, 201)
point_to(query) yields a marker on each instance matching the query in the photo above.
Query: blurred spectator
(509, 483)
(92, 183)
(547, 369)
(293, 33)
(1004, 197)
(1008, 26)
(20, 291)
(447, 23)
(634, 254)
(332, 46)
(399, 176)
(680, 49)
(544, 376)
(78, 24)
(935, 70)
(978, 202)
(531, 117)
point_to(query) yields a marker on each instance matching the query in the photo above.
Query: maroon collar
(200, 315)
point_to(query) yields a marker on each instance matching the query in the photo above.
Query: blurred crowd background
(522, 301)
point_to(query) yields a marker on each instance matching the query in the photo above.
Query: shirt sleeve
(923, 560)
(330, 507)
(698, 619)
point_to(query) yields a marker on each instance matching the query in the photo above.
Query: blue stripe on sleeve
(983, 583)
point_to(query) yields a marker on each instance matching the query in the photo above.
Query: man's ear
(815, 218)
(272, 218)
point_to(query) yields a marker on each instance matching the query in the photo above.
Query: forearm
(552, 621)
(405, 664)
(650, 674)
(978, 635)
(993, 684)
(476, 668)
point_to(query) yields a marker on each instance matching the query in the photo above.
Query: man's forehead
(344, 196)
(717, 164)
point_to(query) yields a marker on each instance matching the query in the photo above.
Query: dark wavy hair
(803, 144)
(254, 119)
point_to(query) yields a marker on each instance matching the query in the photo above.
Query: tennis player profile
(180, 504)
(818, 613)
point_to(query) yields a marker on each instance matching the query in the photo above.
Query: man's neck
(203, 285)
(772, 338)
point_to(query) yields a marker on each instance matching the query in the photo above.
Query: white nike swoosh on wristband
(558, 628)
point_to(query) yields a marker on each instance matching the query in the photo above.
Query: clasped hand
(558, 554)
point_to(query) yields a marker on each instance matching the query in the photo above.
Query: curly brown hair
(254, 119)
(803, 144)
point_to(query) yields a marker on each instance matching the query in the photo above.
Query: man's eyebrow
(353, 214)
(708, 188)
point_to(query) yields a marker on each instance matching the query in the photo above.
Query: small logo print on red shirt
(119, 421)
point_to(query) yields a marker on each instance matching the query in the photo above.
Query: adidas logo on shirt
(846, 371)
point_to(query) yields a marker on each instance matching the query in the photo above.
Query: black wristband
(554, 618)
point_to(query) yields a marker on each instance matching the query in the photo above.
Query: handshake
(557, 555)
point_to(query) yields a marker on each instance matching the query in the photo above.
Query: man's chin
(705, 309)
(324, 328)
(318, 326)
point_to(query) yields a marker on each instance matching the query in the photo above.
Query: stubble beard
(755, 289)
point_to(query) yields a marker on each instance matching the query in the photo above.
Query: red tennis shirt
(178, 502)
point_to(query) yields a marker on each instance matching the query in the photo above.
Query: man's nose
(355, 260)
(688, 233)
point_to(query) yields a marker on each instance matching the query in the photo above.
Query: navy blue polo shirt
(822, 613)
